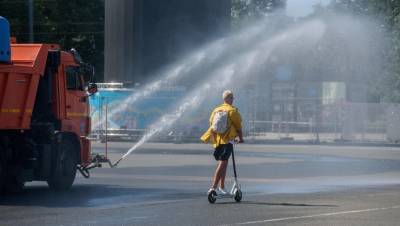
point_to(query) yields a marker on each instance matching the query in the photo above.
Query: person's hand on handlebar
(239, 140)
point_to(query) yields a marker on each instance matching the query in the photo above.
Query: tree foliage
(75, 24)
(248, 10)
(388, 13)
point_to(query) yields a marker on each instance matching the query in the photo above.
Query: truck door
(77, 106)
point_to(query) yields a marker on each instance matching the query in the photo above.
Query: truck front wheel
(1, 174)
(64, 171)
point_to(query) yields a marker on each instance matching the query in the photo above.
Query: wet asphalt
(166, 184)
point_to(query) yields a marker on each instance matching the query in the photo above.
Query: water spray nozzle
(117, 162)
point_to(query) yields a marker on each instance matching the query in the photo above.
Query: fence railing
(360, 122)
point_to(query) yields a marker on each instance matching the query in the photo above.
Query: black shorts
(223, 152)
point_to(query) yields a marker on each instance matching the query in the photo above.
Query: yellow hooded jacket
(234, 124)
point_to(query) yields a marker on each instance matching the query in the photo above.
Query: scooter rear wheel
(212, 197)
(238, 196)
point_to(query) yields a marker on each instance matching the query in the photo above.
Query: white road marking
(318, 215)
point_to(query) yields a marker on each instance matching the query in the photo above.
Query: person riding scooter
(225, 127)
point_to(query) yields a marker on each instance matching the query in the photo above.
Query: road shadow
(276, 204)
(97, 195)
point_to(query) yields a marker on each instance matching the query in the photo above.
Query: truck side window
(74, 81)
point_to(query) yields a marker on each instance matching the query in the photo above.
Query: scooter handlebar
(239, 141)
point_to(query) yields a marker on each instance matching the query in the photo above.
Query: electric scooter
(235, 192)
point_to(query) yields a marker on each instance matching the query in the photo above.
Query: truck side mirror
(92, 88)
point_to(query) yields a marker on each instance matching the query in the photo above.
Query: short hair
(226, 94)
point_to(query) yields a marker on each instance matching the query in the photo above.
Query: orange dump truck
(44, 114)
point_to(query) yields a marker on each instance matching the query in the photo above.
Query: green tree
(248, 10)
(75, 24)
(388, 13)
(16, 13)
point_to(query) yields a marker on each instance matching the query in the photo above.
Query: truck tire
(64, 171)
(8, 181)
(2, 178)
(13, 186)
(3, 172)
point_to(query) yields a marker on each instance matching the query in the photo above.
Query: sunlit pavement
(166, 184)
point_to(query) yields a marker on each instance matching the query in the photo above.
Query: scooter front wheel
(212, 197)
(238, 196)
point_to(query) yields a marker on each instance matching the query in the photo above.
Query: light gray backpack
(220, 122)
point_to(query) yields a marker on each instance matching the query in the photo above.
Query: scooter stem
(234, 164)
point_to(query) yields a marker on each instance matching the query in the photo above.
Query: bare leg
(222, 179)
(219, 173)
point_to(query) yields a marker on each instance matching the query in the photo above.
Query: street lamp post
(30, 10)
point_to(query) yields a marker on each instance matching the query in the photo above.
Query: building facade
(143, 36)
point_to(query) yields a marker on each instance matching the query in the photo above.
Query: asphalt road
(166, 184)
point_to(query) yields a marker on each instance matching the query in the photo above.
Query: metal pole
(106, 130)
(30, 10)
